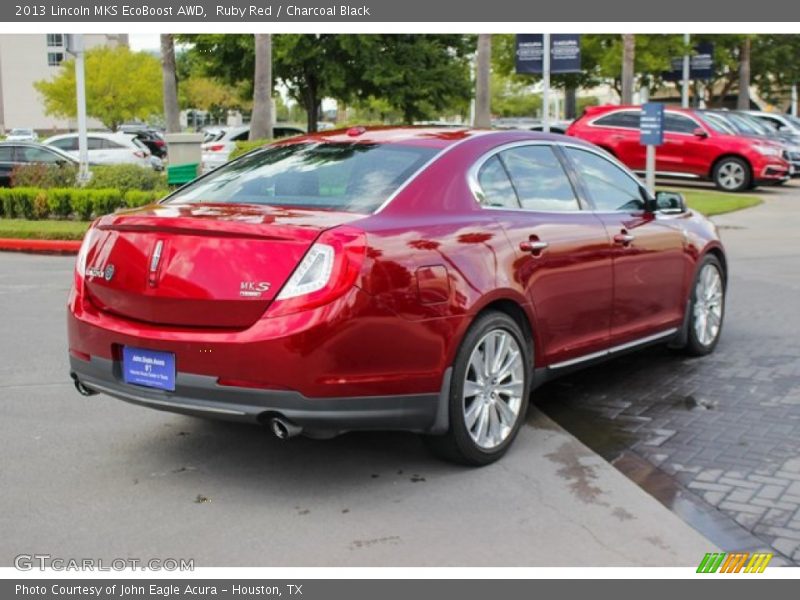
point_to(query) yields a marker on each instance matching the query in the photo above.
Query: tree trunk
(261, 118)
(170, 82)
(570, 103)
(743, 103)
(311, 105)
(628, 59)
(483, 110)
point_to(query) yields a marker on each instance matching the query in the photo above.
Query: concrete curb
(40, 246)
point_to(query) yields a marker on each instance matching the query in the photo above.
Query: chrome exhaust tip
(283, 429)
(82, 389)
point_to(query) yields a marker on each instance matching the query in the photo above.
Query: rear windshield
(351, 177)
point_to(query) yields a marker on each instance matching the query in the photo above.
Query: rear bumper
(201, 395)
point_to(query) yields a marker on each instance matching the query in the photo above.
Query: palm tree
(628, 61)
(170, 83)
(483, 111)
(261, 119)
(743, 102)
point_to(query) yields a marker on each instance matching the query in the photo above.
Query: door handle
(533, 246)
(624, 238)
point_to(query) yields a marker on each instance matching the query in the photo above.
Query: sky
(144, 41)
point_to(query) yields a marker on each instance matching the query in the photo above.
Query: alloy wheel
(493, 387)
(731, 175)
(708, 305)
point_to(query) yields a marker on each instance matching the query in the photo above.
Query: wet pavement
(716, 439)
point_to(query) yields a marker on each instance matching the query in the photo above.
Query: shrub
(44, 175)
(134, 198)
(18, 203)
(126, 177)
(59, 202)
(105, 201)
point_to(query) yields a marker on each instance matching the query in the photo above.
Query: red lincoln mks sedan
(696, 145)
(414, 279)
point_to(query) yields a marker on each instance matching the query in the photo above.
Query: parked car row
(734, 150)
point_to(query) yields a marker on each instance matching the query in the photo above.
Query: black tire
(694, 345)
(732, 174)
(457, 445)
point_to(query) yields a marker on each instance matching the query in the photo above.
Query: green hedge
(118, 177)
(63, 203)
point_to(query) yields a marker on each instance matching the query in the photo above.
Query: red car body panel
(433, 258)
(681, 153)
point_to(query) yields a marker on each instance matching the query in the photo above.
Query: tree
(628, 67)
(483, 110)
(743, 102)
(422, 76)
(261, 119)
(774, 65)
(419, 75)
(170, 83)
(119, 87)
(210, 95)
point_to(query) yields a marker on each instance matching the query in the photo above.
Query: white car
(22, 135)
(107, 148)
(218, 151)
(785, 124)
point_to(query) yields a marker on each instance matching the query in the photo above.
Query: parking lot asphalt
(96, 477)
(716, 439)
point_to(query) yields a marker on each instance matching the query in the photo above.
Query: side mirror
(700, 132)
(670, 203)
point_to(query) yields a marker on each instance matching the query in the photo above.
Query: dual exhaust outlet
(280, 427)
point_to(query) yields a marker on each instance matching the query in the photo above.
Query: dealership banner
(701, 64)
(441, 11)
(565, 53)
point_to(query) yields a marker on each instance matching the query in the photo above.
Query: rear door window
(624, 118)
(539, 179)
(68, 144)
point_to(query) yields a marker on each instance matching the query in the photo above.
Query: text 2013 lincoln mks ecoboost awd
(411, 279)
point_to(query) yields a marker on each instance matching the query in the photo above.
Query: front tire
(489, 392)
(707, 308)
(732, 175)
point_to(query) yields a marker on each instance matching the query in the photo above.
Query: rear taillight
(328, 270)
(139, 154)
(80, 261)
(214, 147)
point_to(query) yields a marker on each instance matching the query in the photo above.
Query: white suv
(107, 148)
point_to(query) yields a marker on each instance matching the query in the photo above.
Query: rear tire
(732, 174)
(489, 392)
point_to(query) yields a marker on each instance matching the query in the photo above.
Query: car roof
(430, 137)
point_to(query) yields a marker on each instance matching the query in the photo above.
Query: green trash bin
(180, 174)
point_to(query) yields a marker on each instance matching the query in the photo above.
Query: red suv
(694, 147)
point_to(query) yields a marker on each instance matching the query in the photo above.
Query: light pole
(686, 72)
(546, 82)
(75, 47)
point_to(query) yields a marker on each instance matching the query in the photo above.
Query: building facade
(26, 58)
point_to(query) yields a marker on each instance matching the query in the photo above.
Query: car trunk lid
(199, 265)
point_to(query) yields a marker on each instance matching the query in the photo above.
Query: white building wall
(24, 60)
